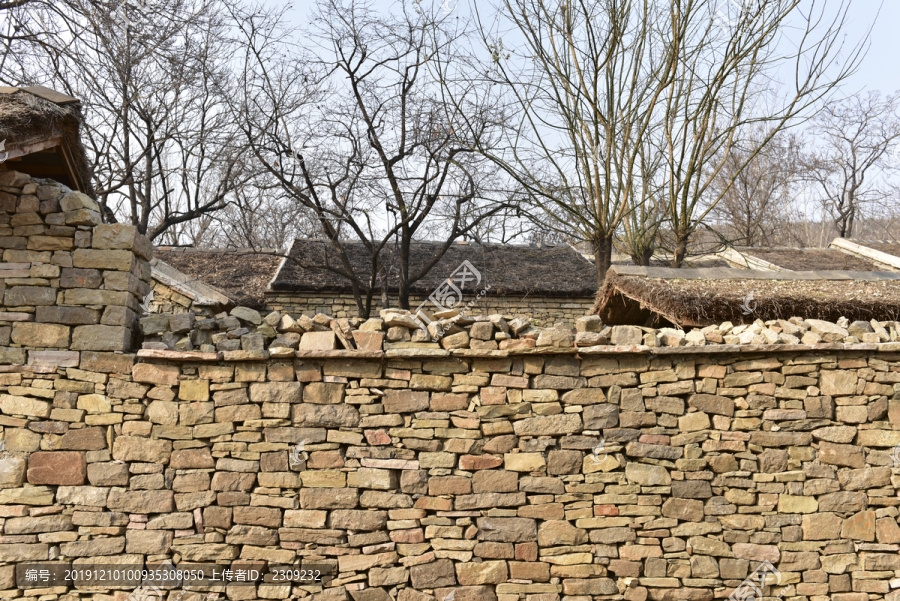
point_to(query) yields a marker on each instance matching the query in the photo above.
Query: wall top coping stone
(413, 353)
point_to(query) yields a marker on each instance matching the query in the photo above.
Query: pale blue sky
(881, 68)
(879, 71)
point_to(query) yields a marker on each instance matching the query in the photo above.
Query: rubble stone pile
(249, 330)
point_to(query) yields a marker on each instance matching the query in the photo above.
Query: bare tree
(852, 156)
(153, 77)
(756, 195)
(357, 135)
(729, 55)
(583, 87)
(595, 82)
(641, 235)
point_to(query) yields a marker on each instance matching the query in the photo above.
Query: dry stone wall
(502, 463)
(428, 474)
(67, 282)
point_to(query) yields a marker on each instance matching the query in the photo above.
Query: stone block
(318, 341)
(40, 335)
(149, 542)
(508, 530)
(102, 338)
(323, 393)
(117, 260)
(194, 390)
(277, 392)
(71, 277)
(150, 373)
(142, 501)
(18, 296)
(67, 468)
(135, 448)
(21, 405)
(108, 474)
(114, 236)
(405, 401)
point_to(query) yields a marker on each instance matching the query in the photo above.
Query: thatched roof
(40, 129)
(241, 275)
(701, 297)
(521, 270)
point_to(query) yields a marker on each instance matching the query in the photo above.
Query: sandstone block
(433, 575)
(318, 341)
(484, 572)
(135, 448)
(601, 416)
(40, 334)
(524, 462)
(194, 390)
(405, 401)
(324, 416)
(57, 467)
(143, 501)
(83, 439)
(277, 392)
(507, 530)
(102, 338)
(150, 373)
(21, 405)
(568, 423)
(323, 393)
(148, 542)
(117, 260)
(837, 383)
(647, 475)
(797, 504)
(192, 459)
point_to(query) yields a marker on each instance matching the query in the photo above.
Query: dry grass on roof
(714, 301)
(243, 277)
(812, 259)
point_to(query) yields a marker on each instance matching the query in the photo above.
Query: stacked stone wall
(67, 282)
(542, 310)
(425, 474)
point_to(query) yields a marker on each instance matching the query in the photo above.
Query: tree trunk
(643, 256)
(681, 242)
(602, 247)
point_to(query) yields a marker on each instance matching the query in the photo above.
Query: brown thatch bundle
(744, 297)
(30, 116)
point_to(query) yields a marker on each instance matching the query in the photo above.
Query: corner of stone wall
(68, 282)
